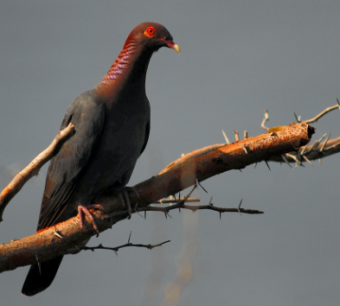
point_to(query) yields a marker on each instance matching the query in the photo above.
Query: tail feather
(35, 281)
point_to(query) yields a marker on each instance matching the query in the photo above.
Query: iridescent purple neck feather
(121, 64)
(129, 67)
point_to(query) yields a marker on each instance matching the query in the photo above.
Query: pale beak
(172, 45)
(176, 48)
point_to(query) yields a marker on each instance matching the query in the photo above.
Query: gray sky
(238, 58)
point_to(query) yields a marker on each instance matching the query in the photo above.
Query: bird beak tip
(176, 48)
(172, 45)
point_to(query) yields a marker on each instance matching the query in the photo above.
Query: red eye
(150, 32)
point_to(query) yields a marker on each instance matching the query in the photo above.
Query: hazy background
(238, 58)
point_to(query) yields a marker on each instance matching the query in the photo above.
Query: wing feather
(66, 167)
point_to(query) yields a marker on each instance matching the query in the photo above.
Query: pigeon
(112, 123)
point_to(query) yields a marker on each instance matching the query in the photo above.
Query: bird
(112, 124)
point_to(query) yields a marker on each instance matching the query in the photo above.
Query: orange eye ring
(150, 32)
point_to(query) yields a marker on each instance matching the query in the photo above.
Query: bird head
(153, 36)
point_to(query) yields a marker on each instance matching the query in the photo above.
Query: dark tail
(36, 282)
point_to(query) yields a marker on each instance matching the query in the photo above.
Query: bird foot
(124, 197)
(84, 210)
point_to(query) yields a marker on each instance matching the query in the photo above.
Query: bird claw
(84, 210)
(124, 197)
(126, 201)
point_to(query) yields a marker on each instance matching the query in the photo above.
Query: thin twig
(129, 244)
(265, 119)
(174, 200)
(324, 112)
(201, 207)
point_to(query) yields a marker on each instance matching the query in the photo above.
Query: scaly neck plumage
(128, 69)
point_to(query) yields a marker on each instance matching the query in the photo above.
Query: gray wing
(66, 167)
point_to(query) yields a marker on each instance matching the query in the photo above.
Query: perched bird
(112, 123)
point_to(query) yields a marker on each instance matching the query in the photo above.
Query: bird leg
(84, 210)
(124, 197)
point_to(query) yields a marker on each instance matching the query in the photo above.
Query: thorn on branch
(297, 118)
(303, 150)
(135, 210)
(286, 160)
(225, 137)
(307, 160)
(58, 234)
(322, 137)
(323, 146)
(294, 158)
(199, 184)
(239, 206)
(237, 138)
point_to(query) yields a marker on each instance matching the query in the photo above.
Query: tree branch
(324, 112)
(298, 118)
(194, 208)
(33, 168)
(196, 166)
(318, 151)
(306, 153)
(128, 244)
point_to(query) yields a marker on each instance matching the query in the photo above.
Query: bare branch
(198, 165)
(311, 152)
(324, 112)
(33, 168)
(200, 207)
(128, 244)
